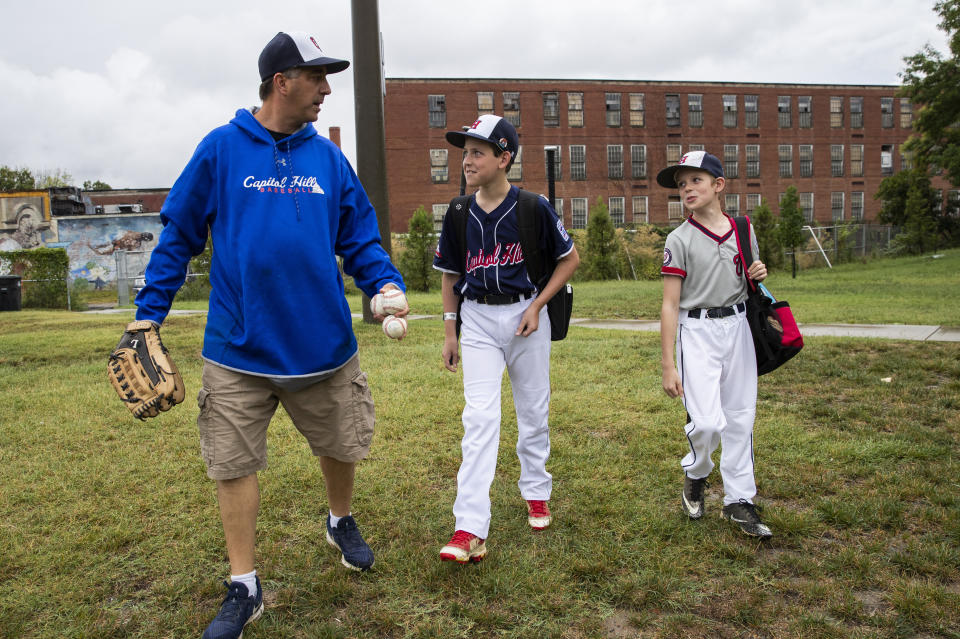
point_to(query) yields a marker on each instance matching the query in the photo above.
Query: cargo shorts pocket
(203, 423)
(363, 411)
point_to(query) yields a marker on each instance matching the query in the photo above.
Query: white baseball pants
(718, 369)
(487, 344)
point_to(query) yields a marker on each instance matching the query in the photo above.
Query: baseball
(394, 327)
(391, 302)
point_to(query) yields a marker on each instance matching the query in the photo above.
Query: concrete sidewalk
(920, 333)
(910, 332)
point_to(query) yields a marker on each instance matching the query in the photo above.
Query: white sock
(334, 520)
(249, 580)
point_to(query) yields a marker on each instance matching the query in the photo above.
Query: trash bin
(9, 292)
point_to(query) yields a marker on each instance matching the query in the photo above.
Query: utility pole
(368, 86)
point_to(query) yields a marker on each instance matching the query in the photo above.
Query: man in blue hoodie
(280, 203)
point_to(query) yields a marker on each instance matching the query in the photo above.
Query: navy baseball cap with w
(295, 49)
(489, 128)
(692, 160)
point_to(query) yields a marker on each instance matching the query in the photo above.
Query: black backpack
(539, 264)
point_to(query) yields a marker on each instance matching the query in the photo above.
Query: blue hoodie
(278, 214)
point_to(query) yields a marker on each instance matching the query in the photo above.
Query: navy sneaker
(237, 610)
(355, 553)
(744, 514)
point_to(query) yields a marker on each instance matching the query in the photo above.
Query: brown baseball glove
(142, 372)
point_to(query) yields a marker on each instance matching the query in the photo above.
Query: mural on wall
(23, 220)
(91, 242)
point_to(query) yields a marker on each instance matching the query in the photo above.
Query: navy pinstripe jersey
(494, 262)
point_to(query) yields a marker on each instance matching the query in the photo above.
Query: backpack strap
(528, 222)
(741, 225)
(458, 209)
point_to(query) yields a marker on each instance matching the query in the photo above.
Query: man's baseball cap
(489, 128)
(692, 160)
(295, 49)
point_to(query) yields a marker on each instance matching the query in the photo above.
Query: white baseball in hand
(394, 327)
(390, 302)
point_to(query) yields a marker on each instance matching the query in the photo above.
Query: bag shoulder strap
(458, 209)
(528, 222)
(741, 225)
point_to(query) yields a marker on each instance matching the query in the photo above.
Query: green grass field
(110, 527)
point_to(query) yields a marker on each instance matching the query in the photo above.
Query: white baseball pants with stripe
(718, 369)
(488, 344)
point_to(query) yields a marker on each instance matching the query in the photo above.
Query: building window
(695, 147)
(551, 109)
(484, 102)
(575, 109)
(732, 204)
(784, 107)
(673, 154)
(856, 112)
(730, 111)
(438, 166)
(613, 109)
(636, 109)
(836, 206)
(886, 159)
(753, 201)
(640, 213)
(806, 206)
(616, 211)
(674, 209)
(695, 109)
(856, 160)
(906, 159)
(673, 109)
(785, 153)
(750, 112)
(856, 205)
(806, 160)
(638, 161)
(938, 206)
(557, 163)
(731, 163)
(516, 169)
(906, 114)
(511, 107)
(578, 162)
(836, 160)
(439, 210)
(753, 160)
(953, 202)
(437, 110)
(836, 112)
(805, 111)
(578, 213)
(886, 113)
(615, 161)
(558, 207)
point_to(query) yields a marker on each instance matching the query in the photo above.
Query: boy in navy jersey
(504, 324)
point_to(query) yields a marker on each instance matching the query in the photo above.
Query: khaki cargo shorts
(335, 415)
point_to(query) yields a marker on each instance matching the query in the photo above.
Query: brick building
(835, 143)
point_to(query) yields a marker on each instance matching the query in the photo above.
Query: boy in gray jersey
(715, 371)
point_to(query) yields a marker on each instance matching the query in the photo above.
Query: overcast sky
(122, 91)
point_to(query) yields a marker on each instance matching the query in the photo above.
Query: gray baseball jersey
(708, 263)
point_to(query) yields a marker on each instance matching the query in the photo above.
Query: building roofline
(645, 82)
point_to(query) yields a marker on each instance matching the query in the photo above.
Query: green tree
(12, 179)
(790, 228)
(416, 262)
(53, 178)
(931, 81)
(910, 202)
(601, 260)
(765, 226)
(96, 185)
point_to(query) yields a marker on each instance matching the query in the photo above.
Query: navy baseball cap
(489, 128)
(692, 160)
(295, 49)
